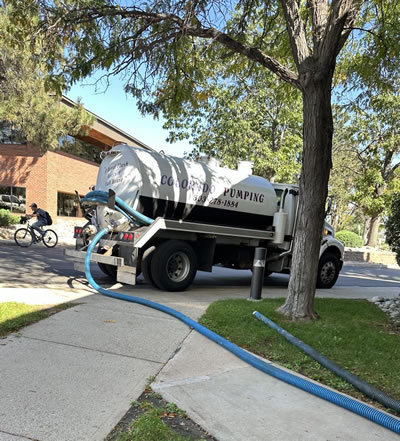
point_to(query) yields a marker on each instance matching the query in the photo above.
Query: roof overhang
(103, 134)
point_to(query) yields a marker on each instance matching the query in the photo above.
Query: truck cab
(331, 250)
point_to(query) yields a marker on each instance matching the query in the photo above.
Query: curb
(367, 264)
(60, 242)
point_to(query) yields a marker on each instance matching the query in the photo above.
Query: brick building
(51, 179)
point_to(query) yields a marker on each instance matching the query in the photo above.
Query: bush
(349, 239)
(392, 226)
(7, 218)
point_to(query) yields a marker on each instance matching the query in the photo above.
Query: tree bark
(316, 165)
(367, 223)
(373, 231)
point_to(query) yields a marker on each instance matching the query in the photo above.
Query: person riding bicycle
(41, 218)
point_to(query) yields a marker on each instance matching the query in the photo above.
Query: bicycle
(25, 237)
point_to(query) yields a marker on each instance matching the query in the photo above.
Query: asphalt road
(37, 265)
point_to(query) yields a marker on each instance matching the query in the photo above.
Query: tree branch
(319, 13)
(355, 28)
(193, 29)
(391, 172)
(251, 53)
(339, 25)
(295, 28)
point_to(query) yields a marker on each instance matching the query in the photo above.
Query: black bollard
(257, 279)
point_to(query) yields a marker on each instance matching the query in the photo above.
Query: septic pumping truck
(169, 217)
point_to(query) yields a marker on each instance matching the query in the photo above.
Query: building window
(13, 199)
(10, 134)
(67, 205)
(79, 148)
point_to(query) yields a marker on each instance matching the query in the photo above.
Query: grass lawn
(14, 316)
(355, 334)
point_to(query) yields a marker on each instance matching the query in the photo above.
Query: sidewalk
(72, 376)
(235, 402)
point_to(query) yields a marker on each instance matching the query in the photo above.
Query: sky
(119, 109)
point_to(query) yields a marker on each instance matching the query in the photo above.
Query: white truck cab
(331, 250)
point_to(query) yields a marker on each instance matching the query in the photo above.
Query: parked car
(12, 203)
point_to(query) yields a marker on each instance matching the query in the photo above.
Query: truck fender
(332, 245)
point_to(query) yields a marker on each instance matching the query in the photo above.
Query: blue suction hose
(348, 403)
(120, 205)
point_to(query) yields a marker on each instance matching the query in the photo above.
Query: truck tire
(108, 270)
(146, 266)
(328, 271)
(173, 265)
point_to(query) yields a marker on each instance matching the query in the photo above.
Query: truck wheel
(146, 266)
(173, 265)
(108, 270)
(328, 271)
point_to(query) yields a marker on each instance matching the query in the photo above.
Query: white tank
(160, 185)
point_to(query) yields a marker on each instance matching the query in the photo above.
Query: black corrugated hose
(365, 388)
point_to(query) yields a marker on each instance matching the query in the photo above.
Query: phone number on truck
(216, 201)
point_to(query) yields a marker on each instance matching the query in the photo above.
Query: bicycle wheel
(50, 238)
(23, 237)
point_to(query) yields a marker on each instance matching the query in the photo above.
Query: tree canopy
(366, 155)
(392, 225)
(246, 117)
(28, 98)
(167, 50)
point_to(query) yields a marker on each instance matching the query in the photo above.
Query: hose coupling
(116, 223)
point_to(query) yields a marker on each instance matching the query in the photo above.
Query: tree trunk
(335, 220)
(316, 165)
(367, 223)
(373, 231)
